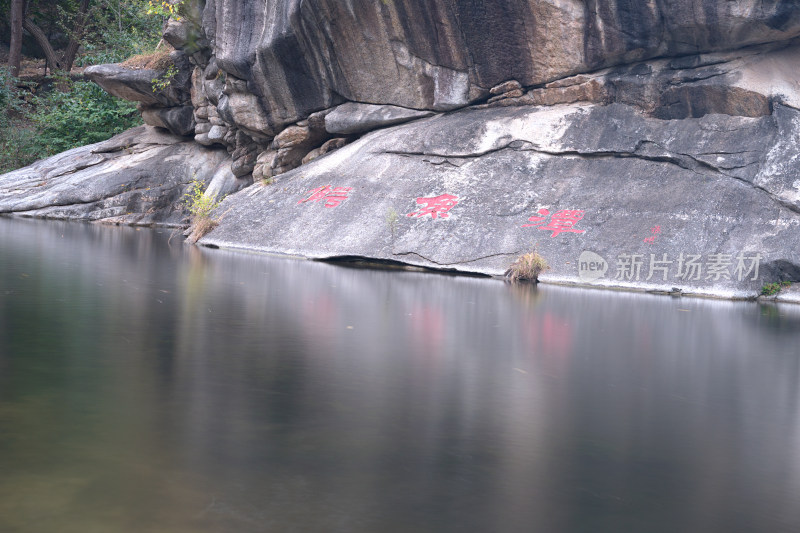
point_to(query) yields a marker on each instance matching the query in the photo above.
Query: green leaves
(36, 122)
(771, 289)
(84, 115)
(44, 125)
(119, 29)
(162, 82)
(200, 205)
(165, 9)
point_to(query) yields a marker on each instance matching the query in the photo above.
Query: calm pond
(151, 386)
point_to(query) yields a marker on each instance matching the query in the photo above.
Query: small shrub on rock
(771, 289)
(527, 268)
(200, 206)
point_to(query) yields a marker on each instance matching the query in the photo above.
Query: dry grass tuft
(158, 60)
(527, 268)
(200, 227)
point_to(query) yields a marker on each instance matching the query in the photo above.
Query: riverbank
(648, 205)
(645, 166)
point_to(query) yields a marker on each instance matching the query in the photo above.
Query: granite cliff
(646, 145)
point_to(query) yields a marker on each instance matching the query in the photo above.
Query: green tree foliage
(82, 115)
(120, 29)
(113, 30)
(165, 9)
(39, 126)
(18, 140)
(39, 119)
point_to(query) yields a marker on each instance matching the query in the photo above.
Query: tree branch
(41, 40)
(75, 37)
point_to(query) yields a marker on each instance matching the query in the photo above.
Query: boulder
(327, 147)
(217, 134)
(265, 69)
(178, 120)
(516, 93)
(136, 84)
(644, 145)
(244, 160)
(264, 165)
(138, 177)
(224, 182)
(238, 106)
(187, 34)
(294, 136)
(505, 87)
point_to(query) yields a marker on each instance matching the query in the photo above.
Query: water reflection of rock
(224, 391)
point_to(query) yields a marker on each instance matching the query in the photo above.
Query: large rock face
(262, 68)
(607, 196)
(298, 56)
(649, 144)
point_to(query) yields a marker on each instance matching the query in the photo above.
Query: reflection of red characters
(428, 333)
(333, 196)
(550, 339)
(563, 221)
(436, 206)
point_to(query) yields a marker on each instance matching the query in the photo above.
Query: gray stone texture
(302, 56)
(137, 84)
(178, 120)
(137, 177)
(169, 107)
(645, 187)
(352, 118)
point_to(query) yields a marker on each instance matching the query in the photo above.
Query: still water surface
(150, 386)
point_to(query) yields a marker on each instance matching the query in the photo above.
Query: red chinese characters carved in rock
(333, 196)
(563, 221)
(438, 206)
(656, 231)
